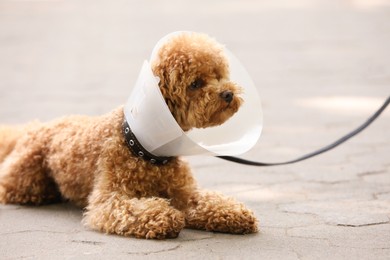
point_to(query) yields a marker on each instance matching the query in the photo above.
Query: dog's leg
(23, 179)
(213, 212)
(141, 218)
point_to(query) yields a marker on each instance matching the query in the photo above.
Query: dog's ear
(171, 88)
(167, 78)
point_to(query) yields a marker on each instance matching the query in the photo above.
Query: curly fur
(85, 160)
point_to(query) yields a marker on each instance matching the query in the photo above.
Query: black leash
(320, 151)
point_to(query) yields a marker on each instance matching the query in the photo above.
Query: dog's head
(194, 80)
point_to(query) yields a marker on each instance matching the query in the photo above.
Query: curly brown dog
(86, 160)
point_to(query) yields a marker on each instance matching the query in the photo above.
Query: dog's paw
(240, 221)
(161, 225)
(213, 212)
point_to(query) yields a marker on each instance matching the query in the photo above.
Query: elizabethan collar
(157, 131)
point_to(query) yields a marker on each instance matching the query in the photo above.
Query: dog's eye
(198, 83)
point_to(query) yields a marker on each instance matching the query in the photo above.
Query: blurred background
(317, 63)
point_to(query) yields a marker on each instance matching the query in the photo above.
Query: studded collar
(138, 150)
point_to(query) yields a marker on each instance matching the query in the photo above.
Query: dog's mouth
(226, 111)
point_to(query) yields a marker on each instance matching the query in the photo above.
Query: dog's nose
(227, 96)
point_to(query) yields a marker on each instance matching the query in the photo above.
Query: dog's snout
(227, 96)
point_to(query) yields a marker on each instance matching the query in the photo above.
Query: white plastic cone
(157, 130)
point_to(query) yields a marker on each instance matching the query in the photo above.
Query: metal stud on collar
(138, 150)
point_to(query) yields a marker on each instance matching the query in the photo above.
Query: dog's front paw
(165, 224)
(236, 221)
(213, 212)
(151, 218)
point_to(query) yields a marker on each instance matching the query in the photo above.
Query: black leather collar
(138, 150)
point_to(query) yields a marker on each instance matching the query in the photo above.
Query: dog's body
(86, 159)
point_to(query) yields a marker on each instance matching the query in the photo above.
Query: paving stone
(365, 237)
(383, 196)
(328, 174)
(347, 213)
(277, 219)
(382, 179)
(355, 219)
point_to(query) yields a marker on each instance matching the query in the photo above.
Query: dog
(86, 160)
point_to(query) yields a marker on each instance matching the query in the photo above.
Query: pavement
(321, 67)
